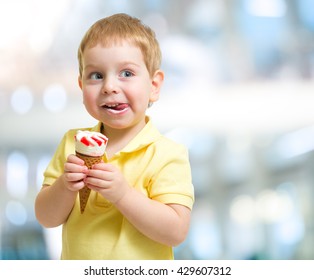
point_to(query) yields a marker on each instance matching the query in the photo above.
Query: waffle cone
(85, 191)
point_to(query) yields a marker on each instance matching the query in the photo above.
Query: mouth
(116, 108)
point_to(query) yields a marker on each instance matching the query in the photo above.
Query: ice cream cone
(85, 191)
(89, 146)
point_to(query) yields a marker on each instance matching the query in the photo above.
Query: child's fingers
(103, 166)
(100, 174)
(74, 177)
(74, 168)
(76, 160)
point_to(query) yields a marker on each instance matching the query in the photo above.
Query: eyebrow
(126, 63)
(90, 66)
(122, 64)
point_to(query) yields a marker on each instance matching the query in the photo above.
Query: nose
(109, 86)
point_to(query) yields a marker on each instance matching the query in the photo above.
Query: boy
(142, 194)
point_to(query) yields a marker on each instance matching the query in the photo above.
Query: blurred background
(239, 93)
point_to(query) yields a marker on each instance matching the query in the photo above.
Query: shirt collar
(145, 137)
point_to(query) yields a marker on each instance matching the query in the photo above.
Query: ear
(157, 82)
(79, 79)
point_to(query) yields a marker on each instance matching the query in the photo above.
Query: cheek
(88, 98)
(140, 91)
(139, 97)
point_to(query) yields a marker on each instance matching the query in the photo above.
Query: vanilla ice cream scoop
(90, 143)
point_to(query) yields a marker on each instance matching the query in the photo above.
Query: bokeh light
(22, 100)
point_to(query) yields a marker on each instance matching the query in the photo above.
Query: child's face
(116, 85)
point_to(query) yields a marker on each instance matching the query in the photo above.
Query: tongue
(120, 107)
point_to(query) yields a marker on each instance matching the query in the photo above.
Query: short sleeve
(172, 181)
(56, 166)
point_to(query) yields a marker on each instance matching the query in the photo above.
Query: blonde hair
(116, 28)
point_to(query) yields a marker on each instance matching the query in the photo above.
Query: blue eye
(126, 74)
(96, 76)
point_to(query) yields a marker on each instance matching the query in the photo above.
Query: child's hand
(74, 173)
(108, 181)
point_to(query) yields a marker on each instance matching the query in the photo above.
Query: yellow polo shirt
(153, 165)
